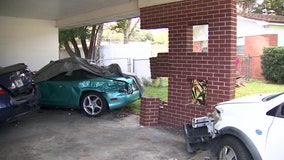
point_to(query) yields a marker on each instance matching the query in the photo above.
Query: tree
(127, 27)
(271, 7)
(246, 6)
(69, 37)
(272, 64)
(142, 36)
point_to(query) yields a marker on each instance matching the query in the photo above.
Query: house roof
(262, 17)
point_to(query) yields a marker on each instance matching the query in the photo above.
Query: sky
(259, 1)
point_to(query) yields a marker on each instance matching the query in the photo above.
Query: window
(240, 45)
(200, 38)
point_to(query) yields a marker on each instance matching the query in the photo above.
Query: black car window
(277, 111)
(268, 98)
(282, 110)
(81, 74)
(75, 75)
(59, 77)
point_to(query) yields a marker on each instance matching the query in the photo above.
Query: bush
(159, 82)
(272, 62)
(146, 82)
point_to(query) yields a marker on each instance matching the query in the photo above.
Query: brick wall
(149, 114)
(254, 46)
(181, 64)
(159, 66)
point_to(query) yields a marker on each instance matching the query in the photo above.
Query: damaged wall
(216, 67)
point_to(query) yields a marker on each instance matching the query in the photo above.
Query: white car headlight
(217, 114)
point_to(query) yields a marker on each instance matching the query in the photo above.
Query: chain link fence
(248, 67)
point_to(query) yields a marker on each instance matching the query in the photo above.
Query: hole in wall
(200, 38)
(199, 92)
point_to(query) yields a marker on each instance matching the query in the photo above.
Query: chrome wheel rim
(92, 105)
(227, 153)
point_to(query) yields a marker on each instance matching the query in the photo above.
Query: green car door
(62, 93)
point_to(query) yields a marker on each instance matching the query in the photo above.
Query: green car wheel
(93, 104)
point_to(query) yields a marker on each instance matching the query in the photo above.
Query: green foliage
(69, 34)
(273, 64)
(118, 31)
(111, 35)
(272, 7)
(121, 25)
(159, 82)
(161, 37)
(129, 28)
(146, 82)
(142, 36)
(246, 5)
(88, 36)
(155, 89)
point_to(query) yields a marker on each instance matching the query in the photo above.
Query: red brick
(180, 63)
(254, 47)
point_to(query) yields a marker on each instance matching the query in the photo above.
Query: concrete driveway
(69, 135)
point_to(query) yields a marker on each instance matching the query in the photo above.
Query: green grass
(256, 86)
(160, 92)
(248, 88)
(158, 88)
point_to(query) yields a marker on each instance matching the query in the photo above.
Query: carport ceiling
(72, 13)
(81, 12)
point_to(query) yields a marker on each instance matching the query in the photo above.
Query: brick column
(182, 64)
(149, 114)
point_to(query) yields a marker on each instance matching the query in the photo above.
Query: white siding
(133, 57)
(29, 41)
(278, 30)
(249, 27)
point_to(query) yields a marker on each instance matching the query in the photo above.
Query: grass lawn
(248, 88)
(257, 86)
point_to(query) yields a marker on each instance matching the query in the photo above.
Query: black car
(18, 94)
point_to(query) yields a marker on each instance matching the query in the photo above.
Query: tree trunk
(84, 47)
(95, 40)
(76, 48)
(129, 30)
(68, 49)
(126, 31)
(92, 41)
(68, 37)
(96, 54)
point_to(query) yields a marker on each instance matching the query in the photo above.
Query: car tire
(231, 148)
(93, 104)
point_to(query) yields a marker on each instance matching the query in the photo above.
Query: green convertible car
(75, 83)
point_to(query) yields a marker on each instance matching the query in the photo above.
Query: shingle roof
(262, 17)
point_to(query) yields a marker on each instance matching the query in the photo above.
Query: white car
(242, 129)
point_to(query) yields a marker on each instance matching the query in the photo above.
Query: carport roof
(71, 13)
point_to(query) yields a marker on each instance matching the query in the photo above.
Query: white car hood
(248, 99)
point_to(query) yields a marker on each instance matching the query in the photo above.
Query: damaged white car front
(245, 128)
